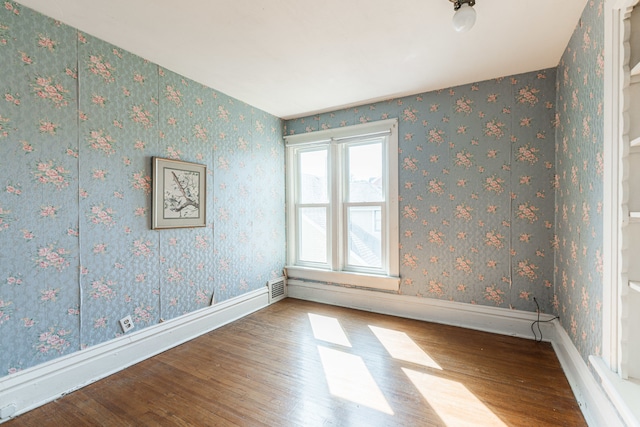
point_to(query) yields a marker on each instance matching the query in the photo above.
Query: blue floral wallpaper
(80, 120)
(500, 187)
(579, 181)
(477, 164)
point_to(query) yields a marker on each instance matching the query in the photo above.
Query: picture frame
(178, 194)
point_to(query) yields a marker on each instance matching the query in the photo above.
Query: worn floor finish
(298, 363)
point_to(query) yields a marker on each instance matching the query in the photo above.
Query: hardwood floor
(297, 363)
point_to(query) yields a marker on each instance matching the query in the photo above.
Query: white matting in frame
(179, 194)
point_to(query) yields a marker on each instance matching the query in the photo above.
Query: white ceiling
(292, 58)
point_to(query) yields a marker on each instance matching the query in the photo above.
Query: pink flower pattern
(471, 175)
(51, 256)
(5, 218)
(98, 66)
(141, 181)
(100, 141)
(45, 88)
(48, 173)
(46, 42)
(52, 340)
(141, 116)
(103, 289)
(456, 223)
(5, 311)
(578, 182)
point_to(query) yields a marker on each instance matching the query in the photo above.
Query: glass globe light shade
(464, 18)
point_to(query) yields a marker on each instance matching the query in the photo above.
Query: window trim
(389, 281)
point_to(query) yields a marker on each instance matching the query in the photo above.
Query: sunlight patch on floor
(452, 401)
(348, 378)
(328, 329)
(400, 346)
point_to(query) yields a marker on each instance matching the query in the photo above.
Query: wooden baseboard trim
(33, 387)
(596, 408)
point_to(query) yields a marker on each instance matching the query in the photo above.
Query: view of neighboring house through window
(364, 198)
(313, 207)
(343, 200)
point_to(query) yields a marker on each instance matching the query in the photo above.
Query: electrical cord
(537, 322)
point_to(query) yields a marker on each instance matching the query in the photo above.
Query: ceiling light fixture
(465, 15)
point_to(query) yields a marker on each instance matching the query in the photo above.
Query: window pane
(365, 173)
(365, 237)
(313, 176)
(313, 235)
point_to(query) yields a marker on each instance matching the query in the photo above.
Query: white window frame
(335, 271)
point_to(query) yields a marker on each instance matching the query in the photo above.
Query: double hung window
(342, 200)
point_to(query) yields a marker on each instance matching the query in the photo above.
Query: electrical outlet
(126, 323)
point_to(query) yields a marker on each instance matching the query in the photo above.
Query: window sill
(362, 280)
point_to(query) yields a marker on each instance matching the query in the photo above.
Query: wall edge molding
(595, 406)
(35, 386)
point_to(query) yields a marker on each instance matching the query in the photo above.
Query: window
(342, 205)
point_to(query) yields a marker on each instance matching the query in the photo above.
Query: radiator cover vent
(277, 289)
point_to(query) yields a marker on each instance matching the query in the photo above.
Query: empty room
(353, 213)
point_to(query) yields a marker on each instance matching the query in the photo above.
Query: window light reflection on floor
(445, 397)
(328, 329)
(348, 378)
(400, 346)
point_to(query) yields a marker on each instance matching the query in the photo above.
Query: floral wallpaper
(477, 164)
(579, 181)
(500, 187)
(80, 120)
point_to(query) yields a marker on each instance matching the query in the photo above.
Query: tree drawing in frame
(179, 194)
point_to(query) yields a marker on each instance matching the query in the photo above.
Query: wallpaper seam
(556, 197)
(511, 215)
(157, 138)
(79, 272)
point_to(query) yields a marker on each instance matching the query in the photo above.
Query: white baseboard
(596, 408)
(471, 316)
(33, 387)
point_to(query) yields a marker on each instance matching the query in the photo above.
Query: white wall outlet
(126, 323)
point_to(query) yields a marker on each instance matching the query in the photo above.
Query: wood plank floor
(297, 363)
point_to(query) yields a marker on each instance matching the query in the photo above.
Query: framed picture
(179, 194)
